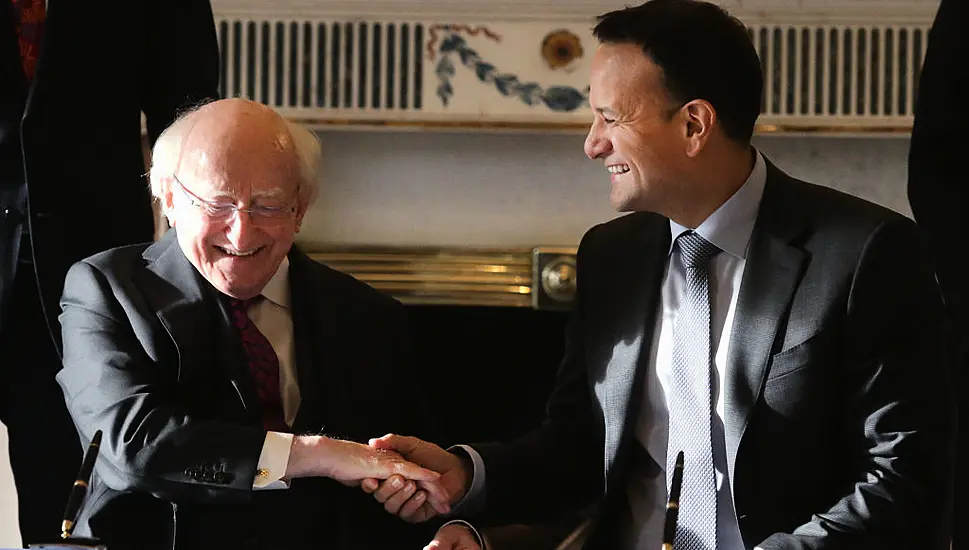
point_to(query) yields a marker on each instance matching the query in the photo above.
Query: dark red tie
(29, 17)
(263, 364)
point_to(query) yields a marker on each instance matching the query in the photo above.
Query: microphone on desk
(80, 486)
(673, 504)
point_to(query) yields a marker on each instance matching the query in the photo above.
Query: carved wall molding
(830, 67)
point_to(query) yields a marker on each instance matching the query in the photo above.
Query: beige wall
(9, 533)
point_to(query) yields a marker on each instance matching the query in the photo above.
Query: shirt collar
(731, 225)
(277, 289)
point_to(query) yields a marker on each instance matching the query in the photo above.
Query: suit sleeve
(181, 62)
(150, 444)
(938, 187)
(556, 469)
(899, 418)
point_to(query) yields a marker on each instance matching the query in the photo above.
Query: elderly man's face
(238, 156)
(635, 131)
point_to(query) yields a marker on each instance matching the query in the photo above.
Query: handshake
(412, 479)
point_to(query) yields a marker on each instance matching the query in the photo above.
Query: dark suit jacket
(838, 408)
(150, 359)
(71, 139)
(938, 186)
(938, 190)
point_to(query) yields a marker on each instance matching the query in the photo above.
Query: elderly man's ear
(167, 201)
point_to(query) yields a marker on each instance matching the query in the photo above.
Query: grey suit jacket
(839, 412)
(151, 358)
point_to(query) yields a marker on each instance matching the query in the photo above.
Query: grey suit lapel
(630, 335)
(195, 320)
(774, 266)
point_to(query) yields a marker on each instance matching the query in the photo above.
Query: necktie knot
(241, 305)
(695, 251)
(240, 310)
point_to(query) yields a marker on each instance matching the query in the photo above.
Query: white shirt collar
(731, 225)
(277, 289)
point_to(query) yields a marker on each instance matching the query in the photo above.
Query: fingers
(403, 499)
(412, 471)
(401, 443)
(396, 501)
(437, 496)
(390, 487)
(369, 485)
(415, 511)
(453, 537)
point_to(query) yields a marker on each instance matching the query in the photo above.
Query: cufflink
(262, 472)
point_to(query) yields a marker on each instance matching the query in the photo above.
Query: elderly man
(201, 355)
(785, 337)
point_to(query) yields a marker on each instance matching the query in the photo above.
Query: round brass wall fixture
(560, 48)
(558, 279)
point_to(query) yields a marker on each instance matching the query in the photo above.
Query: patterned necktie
(29, 17)
(690, 402)
(263, 365)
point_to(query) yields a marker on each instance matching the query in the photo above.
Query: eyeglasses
(222, 211)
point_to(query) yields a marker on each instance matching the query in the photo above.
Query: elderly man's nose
(239, 227)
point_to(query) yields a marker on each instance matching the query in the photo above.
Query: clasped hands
(419, 501)
(419, 480)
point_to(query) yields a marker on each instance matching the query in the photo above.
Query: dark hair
(704, 53)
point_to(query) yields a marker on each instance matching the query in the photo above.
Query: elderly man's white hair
(167, 153)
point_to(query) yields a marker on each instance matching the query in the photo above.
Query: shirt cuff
(473, 501)
(273, 461)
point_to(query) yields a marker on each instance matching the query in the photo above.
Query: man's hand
(349, 463)
(453, 537)
(416, 503)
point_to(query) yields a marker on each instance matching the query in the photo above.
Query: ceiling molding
(750, 11)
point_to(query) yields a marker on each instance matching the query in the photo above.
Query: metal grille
(814, 74)
(829, 70)
(323, 64)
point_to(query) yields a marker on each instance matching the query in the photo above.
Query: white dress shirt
(272, 316)
(730, 228)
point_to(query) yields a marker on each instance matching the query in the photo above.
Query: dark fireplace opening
(486, 371)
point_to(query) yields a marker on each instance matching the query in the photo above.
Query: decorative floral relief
(556, 98)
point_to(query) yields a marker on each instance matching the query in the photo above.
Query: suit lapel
(196, 321)
(636, 288)
(774, 266)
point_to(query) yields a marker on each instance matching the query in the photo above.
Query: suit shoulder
(345, 287)
(121, 258)
(831, 207)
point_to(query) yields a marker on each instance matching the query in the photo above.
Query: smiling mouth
(618, 168)
(238, 253)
